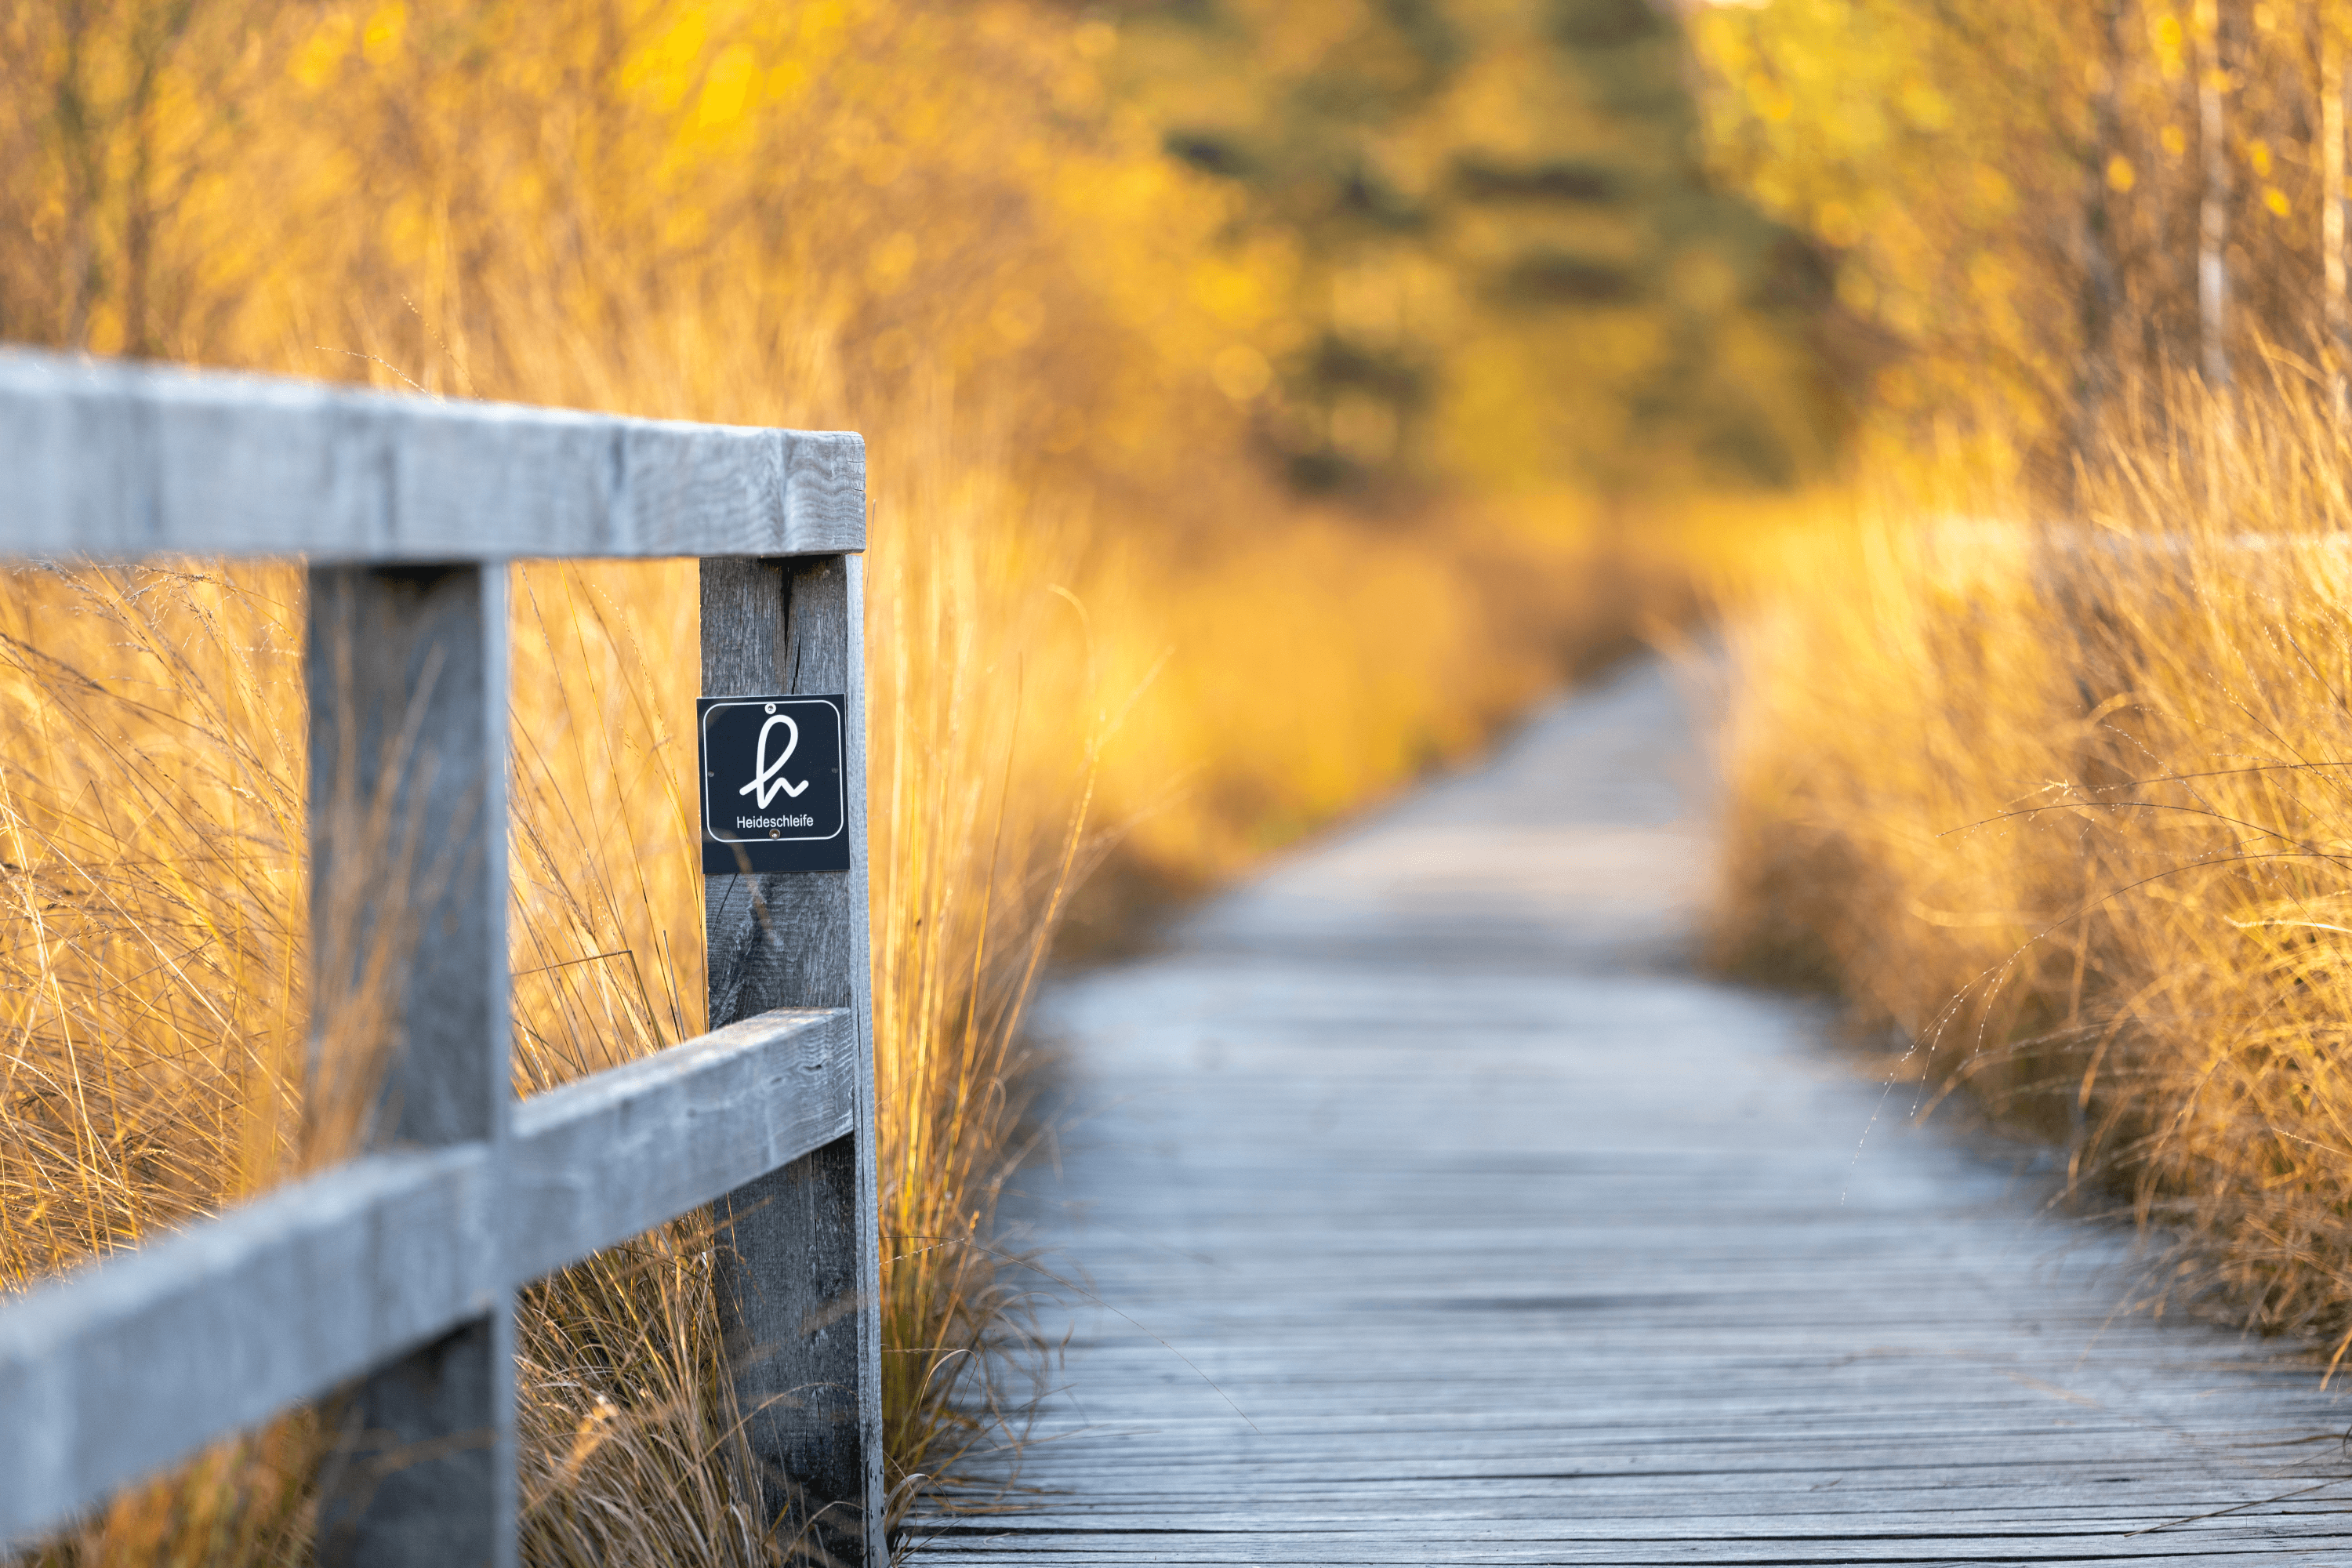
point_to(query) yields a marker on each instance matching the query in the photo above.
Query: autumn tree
(1513, 269)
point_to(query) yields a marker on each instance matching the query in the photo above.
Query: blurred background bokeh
(1267, 400)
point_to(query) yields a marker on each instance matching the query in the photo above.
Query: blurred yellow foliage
(2059, 810)
(2037, 206)
(1094, 608)
(2038, 729)
(1510, 271)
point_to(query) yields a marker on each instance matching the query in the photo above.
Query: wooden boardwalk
(1437, 1214)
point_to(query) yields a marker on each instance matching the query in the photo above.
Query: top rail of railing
(105, 461)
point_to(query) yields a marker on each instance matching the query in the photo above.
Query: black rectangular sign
(773, 798)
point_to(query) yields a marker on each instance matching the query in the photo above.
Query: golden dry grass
(1095, 625)
(157, 972)
(157, 1009)
(2065, 810)
(157, 1067)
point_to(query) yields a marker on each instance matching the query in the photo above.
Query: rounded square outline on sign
(702, 765)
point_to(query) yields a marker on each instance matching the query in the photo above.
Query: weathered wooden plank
(407, 675)
(2022, 1509)
(1429, 1211)
(599, 1160)
(1398, 1545)
(111, 1373)
(110, 461)
(801, 1282)
(119, 1369)
(408, 686)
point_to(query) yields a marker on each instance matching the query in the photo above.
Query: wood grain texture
(1425, 1208)
(407, 675)
(109, 460)
(599, 1160)
(408, 686)
(801, 1282)
(113, 1371)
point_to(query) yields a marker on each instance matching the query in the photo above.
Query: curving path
(1438, 1214)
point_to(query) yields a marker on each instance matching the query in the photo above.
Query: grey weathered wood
(1515, 1241)
(407, 675)
(401, 1265)
(114, 1372)
(602, 1160)
(801, 1284)
(123, 1367)
(106, 459)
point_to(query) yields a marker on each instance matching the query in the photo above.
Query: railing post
(800, 1284)
(407, 677)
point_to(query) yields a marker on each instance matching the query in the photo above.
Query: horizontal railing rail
(102, 459)
(391, 1277)
(116, 1369)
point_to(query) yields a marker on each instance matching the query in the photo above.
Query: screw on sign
(771, 789)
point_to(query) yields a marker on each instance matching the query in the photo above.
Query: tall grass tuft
(155, 994)
(157, 929)
(157, 1072)
(1089, 600)
(2066, 812)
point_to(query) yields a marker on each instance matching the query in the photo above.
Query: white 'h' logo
(764, 770)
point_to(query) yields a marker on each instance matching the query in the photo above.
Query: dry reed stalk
(126, 1120)
(978, 780)
(1005, 644)
(2071, 812)
(155, 981)
(151, 806)
(551, 205)
(987, 701)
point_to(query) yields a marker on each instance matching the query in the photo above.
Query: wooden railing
(391, 1278)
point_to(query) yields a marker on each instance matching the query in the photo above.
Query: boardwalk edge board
(112, 461)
